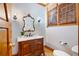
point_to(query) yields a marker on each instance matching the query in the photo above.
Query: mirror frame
(24, 23)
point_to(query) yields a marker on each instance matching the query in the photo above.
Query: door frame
(8, 32)
(6, 12)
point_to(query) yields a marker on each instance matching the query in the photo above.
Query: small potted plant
(22, 33)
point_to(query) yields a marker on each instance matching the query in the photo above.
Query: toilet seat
(60, 53)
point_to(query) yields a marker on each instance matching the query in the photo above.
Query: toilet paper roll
(63, 43)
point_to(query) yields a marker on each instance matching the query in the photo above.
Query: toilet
(60, 53)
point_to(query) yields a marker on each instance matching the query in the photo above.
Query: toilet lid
(60, 53)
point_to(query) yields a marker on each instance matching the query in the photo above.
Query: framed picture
(52, 17)
(67, 12)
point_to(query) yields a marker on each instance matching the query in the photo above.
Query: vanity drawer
(38, 41)
(27, 42)
(25, 46)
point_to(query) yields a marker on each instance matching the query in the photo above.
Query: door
(5, 32)
(3, 42)
(5, 48)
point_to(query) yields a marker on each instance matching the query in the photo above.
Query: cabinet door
(26, 48)
(37, 47)
(39, 44)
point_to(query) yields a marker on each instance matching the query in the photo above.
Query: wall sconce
(39, 19)
(14, 17)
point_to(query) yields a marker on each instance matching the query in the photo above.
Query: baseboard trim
(48, 48)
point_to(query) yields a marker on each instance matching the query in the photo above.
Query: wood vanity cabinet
(31, 47)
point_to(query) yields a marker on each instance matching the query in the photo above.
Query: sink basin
(75, 49)
(24, 38)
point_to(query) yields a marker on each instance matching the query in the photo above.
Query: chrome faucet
(30, 34)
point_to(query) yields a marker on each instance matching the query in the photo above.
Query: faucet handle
(29, 34)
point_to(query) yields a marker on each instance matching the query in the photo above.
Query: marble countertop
(23, 38)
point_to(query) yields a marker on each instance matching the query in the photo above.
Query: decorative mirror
(28, 24)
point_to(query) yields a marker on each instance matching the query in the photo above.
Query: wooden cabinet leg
(43, 54)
